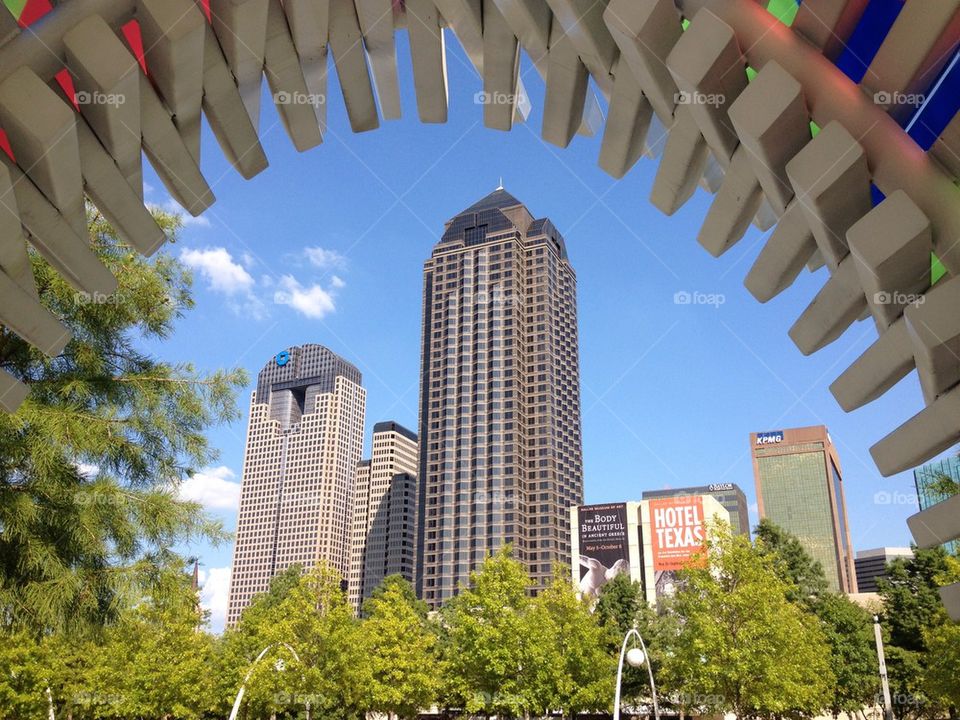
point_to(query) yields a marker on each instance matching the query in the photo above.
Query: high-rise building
(872, 565)
(800, 488)
(304, 440)
(500, 446)
(929, 480)
(729, 495)
(384, 512)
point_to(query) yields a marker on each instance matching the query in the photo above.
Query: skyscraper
(932, 481)
(384, 512)
(304, 441)
(800, 488)
(500, 457)
(729, 495)
(872, 565)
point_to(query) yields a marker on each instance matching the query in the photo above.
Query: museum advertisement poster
(604, 550)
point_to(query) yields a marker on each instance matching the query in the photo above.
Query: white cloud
(219, 269)
(213, 488)
(314, 301)
(214, 591)
(325, 259)
(337, 282)
(173, 207)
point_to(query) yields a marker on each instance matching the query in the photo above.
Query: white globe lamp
(635, 657)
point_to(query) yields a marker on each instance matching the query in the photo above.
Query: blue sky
(670, 391)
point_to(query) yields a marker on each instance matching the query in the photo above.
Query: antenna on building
(500, 186)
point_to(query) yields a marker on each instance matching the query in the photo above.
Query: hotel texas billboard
(603, 545)
(677, 531)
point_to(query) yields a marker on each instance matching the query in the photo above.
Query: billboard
(604, 550)
(677, 531)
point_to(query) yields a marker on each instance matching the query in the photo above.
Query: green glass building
(799, 485)
(928, 477)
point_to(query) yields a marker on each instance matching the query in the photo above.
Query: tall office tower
(500, 447)
(728, 494)
(934, 483)
(384, 512)
(304, 441)
(800, 488)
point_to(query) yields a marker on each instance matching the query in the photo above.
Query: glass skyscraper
(500, 453)
(927, 479)
(800, 488)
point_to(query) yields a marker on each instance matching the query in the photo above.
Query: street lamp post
(884, 685)
(243, 685)
(635, 657)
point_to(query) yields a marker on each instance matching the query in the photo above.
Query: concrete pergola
(771, 118)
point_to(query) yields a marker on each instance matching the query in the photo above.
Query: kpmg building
(304, 441)
(727, 494)
(800, 488)
(500, 454)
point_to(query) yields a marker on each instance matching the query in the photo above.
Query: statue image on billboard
(603, 546)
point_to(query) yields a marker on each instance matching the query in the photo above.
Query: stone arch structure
(833, 121)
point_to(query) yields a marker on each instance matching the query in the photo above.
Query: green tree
(569, 666)
(487, 641)
(914, 613)
(316, 655)
(401, 646)
(74, 539)
(848, 629)
(792, 562)
(942, 678)
(743, 646)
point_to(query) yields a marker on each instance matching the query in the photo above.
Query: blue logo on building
(282, 358)
(770, 438)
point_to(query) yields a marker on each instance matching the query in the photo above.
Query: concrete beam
(12, 392)
(936, 525)
(14, 260)
(787, 251)
(930, 432)
(645, 32)
(885, 363)
(226, 113)
(42, 132)
(377, 27)
(351, 62)
(934, 327)
(241, 29)
(173, 36)
(428, 53)
(53, 237)
(289, 89)
(169, 155)
(567, 81)
(950, 597)
(105, 70)
(583, 21)
(682, 164)
(531, 22)
(832, 183)
(501, 64)
(23, 314)
(710, 73)
(735, 205)
(891, 245)
(309, 24)
(628, 121)
(827, 24)
(836, 307)
(772, 124)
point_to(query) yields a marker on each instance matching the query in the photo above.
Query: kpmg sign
(770, 438)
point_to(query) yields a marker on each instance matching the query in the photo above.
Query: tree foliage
(90, 462)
